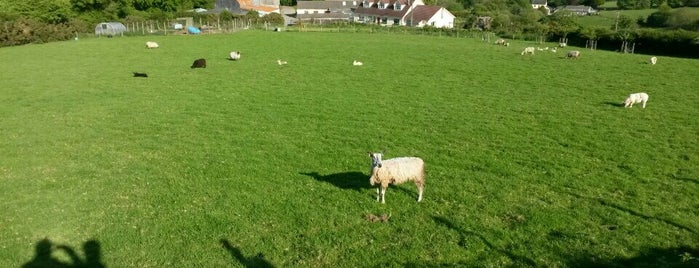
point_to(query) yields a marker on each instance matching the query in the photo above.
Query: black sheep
(199, 63)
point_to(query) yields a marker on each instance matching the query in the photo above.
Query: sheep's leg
(378, 193)
(644, 104)
(420, 187)
(383, 194)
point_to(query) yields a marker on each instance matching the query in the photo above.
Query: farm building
(110, 28)
(403, 12)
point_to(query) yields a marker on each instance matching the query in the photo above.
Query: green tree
(626, 4)
(562, 23)
(660, 17)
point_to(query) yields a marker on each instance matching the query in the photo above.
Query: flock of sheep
(201, 63)
(405, 169)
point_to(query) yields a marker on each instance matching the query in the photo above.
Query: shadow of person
(345, 180)
(44, 256)
(256, 261)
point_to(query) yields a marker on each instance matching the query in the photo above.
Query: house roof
(329, 16)
(252, 5)
(421, 13)
(539, 2)
(332, 5)
(384, 12)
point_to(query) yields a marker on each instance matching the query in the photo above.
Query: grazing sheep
(636, 98)
(396, 171)
(528, 50)
(136, 74)
(151, 44)
(281, 62)
(653, 60)
(199, 63)
(500, 41)
(234, 55)
(574, 54)
(553, 50)
(357, 63)
(562, 44)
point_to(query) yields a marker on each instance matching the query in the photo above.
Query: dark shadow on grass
(633, 212)
(44, 255)
(521, 261)
(614, 103)
(254, 261)
(680, 257)
(345, 180)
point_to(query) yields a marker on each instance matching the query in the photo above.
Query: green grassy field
(531, 160)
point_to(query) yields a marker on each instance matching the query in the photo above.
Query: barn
(110, 28)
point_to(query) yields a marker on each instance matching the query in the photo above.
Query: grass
(531, 162)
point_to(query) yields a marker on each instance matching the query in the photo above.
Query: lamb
(500, 41)
(396, 171)
(281, 62)
(199, 63)
(234, 55)
(151, 44)
(653, 60)
(528, 50)
(636, 98)
(357, 63)
(574, 54)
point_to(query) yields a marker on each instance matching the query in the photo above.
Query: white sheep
(234, 55)
(574, 54)
(636, 98)
(653, 60)
(151, 44)
(528, 50)
(500, 41)
(357, 63)
(281, 62)
(396, 171)
(562, 44)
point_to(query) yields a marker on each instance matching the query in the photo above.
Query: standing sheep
(653, 60)
(634, 98)
(396, 171)
(573, 54)
(500, 41)
(528, 50)
(199, 63)
(234, 55)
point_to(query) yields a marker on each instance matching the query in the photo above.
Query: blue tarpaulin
(193, 30)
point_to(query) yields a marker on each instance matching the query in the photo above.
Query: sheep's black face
(375, 159)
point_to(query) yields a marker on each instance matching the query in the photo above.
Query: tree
(562, 23)
(626, 4)
(660, 17)
(626, 32)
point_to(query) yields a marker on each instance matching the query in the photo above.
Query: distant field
(531, 160)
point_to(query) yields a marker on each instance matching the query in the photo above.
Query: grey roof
(331, 5)
(538, 2)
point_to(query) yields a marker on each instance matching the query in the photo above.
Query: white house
(325, 11)
(578, 10)
(403, 12)
(536, 4)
